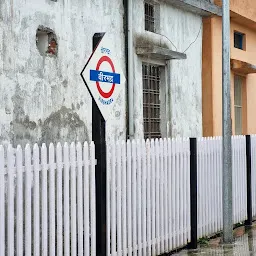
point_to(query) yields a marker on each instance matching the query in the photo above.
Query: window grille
(151, 100)
(149, 17)
(238, 104)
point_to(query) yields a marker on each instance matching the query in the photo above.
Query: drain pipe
(130, 69)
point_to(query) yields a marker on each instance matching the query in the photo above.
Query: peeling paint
(44, 99)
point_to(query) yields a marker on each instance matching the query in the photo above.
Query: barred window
(151, 100)
(238, 104)
(149, 16)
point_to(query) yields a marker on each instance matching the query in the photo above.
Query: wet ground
(244, 244)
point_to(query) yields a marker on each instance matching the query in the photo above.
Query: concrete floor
(245, 244)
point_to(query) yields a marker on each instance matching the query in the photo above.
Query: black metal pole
(99, 138)
(248, 222)
(193, 192)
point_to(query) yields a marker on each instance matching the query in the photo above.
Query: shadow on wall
(62, 126)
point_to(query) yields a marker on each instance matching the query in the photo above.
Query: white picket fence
(149, 194)
(210, 183)
(47, 200)
(253, 149)
(47, 196)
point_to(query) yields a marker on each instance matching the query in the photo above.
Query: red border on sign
(102, 93)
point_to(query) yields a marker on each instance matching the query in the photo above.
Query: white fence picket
(86, 200)
(66, 200)
(113, 199)
(10, 222)
(165, 188)
(170, 201)
(144, 200)
(80, 216)
(19, 203)
(161, 195)
(148, 195)
(52, 200)
(253, 157)
(157, 177)
(36, 201)
(59, 200)
(129, 197)
(153, 196)
(28, 219)
(2, 203)
(36, 178)
(124, 198)
(139, 189)
(73, 200)
(119, 203)
(92, 199)
(44, 195)
(149, 240)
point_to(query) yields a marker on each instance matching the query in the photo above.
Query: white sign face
(104, 77)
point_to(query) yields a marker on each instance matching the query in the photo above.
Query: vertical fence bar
(66, 201)
(139, 190)
(186, 182)
(149, 239)
(10, 222)
(153, 195)
(253, 175)
(44, 193)
(177, 192)
(52, 226)
(235, 162)
(73, 196)
(200, 190)
(161, 177)
(80, 222)
(208, 184)
(59, 200)
(19, 203)
(28, 185)
(245, 178)
(169, 187)
(119, 203)
(144, 200)
(2, 202)
(165, 179)
(129, 197)
(248, 222)
(181, 193)
(193, 192)
(113, 198)
(174, 199)
(157, 204)
(36, 206)
(211, 187)
(124, 197)
(86, 201)
(93, 199)
(134, 198)
(188, 190)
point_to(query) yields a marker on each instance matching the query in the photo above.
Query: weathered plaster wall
(44, 99)
(183, 94)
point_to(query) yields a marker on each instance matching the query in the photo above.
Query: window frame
(242, 43)
(238, 104)
(156, 16)
(151, 131)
